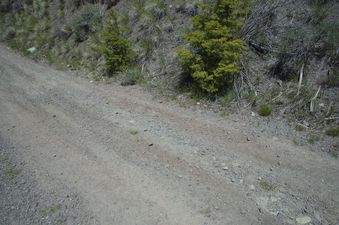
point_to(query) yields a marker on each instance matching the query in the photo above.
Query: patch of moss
(51, 209)
(11, 172)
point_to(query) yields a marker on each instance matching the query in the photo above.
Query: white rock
(252, 187)
(304, 220)
(32, 49)
(262, 202)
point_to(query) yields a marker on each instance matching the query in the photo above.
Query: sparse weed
(226, 99)
(87, 20)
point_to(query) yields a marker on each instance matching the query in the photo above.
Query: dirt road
(103, 154)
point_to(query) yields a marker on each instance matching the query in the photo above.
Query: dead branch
(313, 100)
(300, 78)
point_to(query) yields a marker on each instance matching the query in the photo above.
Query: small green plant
(267, 186)
(11, 172)
(264, 110)
(116, 49)
(215, 45)
(333, 132)
(133, 131)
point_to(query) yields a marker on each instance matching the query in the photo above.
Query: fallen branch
(329, 110)
(300, 79)
(332, 118)
(281, 93)
(313, 100)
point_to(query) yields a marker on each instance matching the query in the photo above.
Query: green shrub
(334, 132)
(115, 48)
(265, 110)
(215, 45)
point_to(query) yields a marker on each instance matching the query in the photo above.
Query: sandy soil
(93, 153)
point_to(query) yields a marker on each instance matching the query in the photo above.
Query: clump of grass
(132, 76)
(267, 186)
(265, 110)
(11, 172)
(226, 99)
(133, 131)
(333, 132)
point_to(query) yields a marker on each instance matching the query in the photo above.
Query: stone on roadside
(304, 220)
(31, 50)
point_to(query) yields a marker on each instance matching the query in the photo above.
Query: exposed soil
(75, 152)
